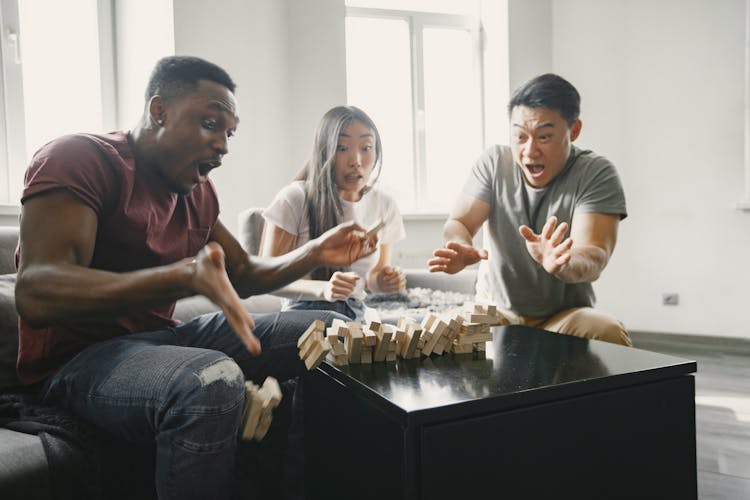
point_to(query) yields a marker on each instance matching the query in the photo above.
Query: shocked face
(194, 135)
(540, 141)
(354, 161)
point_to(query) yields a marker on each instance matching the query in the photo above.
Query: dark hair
(175, 75)
(323, 205)
(548, 91)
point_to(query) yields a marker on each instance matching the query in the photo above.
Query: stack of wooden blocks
(259, 404)
(376, 341)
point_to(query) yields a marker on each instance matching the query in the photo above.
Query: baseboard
(654, 340)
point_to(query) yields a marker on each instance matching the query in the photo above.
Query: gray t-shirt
(510, 278)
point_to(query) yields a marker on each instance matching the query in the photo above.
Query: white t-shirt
(287, 211)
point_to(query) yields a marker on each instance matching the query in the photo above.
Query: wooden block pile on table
(353, 342)
(259, 404)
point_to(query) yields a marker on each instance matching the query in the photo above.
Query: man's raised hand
(211, 280)
(550, 249)
(454, 257)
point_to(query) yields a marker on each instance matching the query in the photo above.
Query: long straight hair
(322, 203)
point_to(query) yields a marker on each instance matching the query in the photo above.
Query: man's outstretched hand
(549, 249)
(454, 257)
(211, 280)
(344, 244)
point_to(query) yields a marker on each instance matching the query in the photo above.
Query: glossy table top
(522, 366)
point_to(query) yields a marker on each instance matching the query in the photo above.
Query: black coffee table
(541, 415)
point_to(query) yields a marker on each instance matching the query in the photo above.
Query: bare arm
(463, 223)
(582, 257)
(55, 284)
(277, 242)
(251, 275)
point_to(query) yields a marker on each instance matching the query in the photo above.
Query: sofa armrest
(462, 282)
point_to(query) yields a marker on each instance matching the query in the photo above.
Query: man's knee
(602, 326)
(212, 385)
(589, 323)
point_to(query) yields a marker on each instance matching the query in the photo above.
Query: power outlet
(670, 299)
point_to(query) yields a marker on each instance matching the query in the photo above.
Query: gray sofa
(24, 467)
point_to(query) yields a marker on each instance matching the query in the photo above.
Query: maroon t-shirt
(141, 224)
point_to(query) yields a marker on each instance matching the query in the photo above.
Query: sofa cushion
(8, 332)
(187, 309)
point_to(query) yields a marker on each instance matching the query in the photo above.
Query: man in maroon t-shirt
(114, 229)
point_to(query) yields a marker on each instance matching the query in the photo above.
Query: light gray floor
(722, 407)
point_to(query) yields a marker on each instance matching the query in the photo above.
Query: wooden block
(264, 423)
(314, 337)
(270, 392)
(437, 331)
(366, 355)
(372, 318)
(370, 337)
(353, 342)
(381, 348)
(338, 349)
(411, 340)
(315, 326)
(252, 411)
(335, 334)
(337, 359)
(462, 348)
(473, 338)
(390, 356)
(403, 321)
(317, 354)
(373, 229)
(480, 346)
(427, 322)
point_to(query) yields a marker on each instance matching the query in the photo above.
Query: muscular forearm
(455, 231)
(50, 294)
(585, 265)
(259, 275)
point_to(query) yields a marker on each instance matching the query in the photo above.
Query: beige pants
(584, 322)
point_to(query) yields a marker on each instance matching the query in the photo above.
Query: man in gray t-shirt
(565, 202)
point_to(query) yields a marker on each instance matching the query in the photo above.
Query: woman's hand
(391, 280)
(340, 286)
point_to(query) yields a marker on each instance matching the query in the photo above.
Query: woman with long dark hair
(337, 185)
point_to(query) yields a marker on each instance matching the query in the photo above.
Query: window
(418, 75)
(57, 69)
(52, 76)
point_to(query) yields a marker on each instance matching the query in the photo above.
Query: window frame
(12, 111)
(417, 21)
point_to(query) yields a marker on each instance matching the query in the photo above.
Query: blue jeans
(353, 309)
(183, 389)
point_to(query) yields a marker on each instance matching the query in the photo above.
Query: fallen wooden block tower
(351, 342)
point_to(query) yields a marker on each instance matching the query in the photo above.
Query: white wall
(250, 40)
(663, 96)
(288, 60)
(662, 87)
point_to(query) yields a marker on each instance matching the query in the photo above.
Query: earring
(160, 122)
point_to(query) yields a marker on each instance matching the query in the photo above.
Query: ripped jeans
(183, 389)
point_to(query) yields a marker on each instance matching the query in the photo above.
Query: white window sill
(417, 216)
(9, 209)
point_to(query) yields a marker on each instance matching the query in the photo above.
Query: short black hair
(548, 91)
(174, 75)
